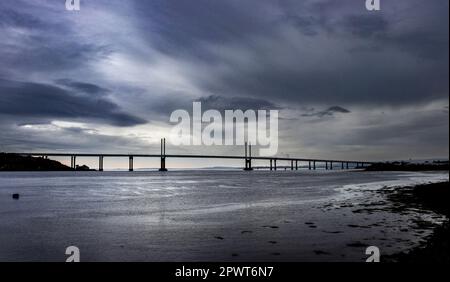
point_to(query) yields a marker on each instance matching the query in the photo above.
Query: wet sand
(434, 197)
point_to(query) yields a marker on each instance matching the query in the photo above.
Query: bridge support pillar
(342, 165)
(73, 163)
(100, 163)
(275, 164)
(163, 155)
(248, 165)
(326, 165)
(314, 165)
(346, 165)
(248, 157)
(130, 163)
(271, 165)
(296, 165)
(163, 164)
(331, 165)
(292, 165)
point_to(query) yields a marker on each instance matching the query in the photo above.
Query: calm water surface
(206, 215)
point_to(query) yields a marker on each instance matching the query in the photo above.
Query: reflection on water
(152, 216)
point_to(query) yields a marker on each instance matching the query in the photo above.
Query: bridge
(313, 164)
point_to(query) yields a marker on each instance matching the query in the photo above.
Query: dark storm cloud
(409, 136)
(36, 100)
(364, 84)
(398, 65)
(230, 34)
(9, 17)
(152, 57)
(429, 42)
(34, 53)
(177, 27)
(20, 139)
(328, 112)
(229, 103)
(38, 39)
(364, 26)
(161, 109)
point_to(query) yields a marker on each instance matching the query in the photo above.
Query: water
(206, 215)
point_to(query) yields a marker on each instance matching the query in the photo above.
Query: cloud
(44, 101)
(51, 137)
(308, 51)
(221, 103)
(328, 112)
(115, 61)
(364, 26)
(83, 87)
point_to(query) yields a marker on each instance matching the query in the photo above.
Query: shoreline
(432, 197)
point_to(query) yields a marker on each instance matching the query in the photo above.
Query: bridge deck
(193, 157)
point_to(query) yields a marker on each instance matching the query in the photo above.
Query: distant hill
(14, 162)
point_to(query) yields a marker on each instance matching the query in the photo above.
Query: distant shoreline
(404, 166)
(14, 162)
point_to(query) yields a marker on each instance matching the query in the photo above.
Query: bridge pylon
(163, 155)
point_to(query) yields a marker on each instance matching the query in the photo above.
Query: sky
(349, 83)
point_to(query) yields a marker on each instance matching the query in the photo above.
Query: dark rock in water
(15, 196)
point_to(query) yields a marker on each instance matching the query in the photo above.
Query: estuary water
(207, 215)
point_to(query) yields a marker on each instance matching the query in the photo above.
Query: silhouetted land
(434, 197)
(404, 166)
(14, 162)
